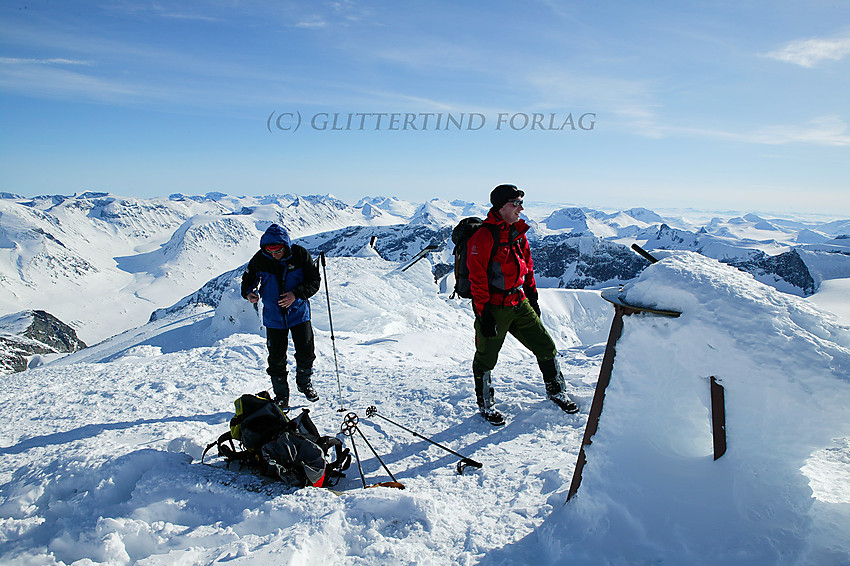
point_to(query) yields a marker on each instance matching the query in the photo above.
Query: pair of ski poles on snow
(349, 427)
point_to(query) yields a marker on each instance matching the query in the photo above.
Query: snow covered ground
(834, 296)
(102, 448)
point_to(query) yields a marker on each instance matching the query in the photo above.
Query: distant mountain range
(103, 263)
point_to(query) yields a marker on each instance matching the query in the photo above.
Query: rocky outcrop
(29, 333)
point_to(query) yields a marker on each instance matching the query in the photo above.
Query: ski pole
(373, 411)
(645, 254)
(420, 255)
(333, 338)
(378, 457)
(349, 423)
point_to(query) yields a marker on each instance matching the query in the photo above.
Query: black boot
(304, 383)
(555, 386)
(485, 398)
(280, 386)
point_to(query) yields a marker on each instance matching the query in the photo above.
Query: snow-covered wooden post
(621, 309)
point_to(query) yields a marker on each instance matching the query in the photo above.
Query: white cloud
(314, 22)
(824, 130)
(54, 61)
(36, 76)
(810, 52)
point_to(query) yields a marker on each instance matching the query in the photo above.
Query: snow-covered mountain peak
(437, 213)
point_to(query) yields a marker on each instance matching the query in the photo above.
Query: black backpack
(460, 236)
(291, 450)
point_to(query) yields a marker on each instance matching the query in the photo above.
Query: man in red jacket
(504, 298)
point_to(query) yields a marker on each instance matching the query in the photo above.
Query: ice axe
(372, 411)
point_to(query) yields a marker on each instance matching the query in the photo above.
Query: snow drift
(651, 491)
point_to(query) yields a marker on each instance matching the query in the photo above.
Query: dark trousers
(277, 341)
(524, 325)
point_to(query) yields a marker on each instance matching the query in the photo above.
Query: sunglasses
(275, 247)
(516, 202)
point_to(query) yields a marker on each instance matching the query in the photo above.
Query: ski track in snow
(102, 459)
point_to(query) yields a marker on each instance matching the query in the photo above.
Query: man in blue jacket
(285, 277)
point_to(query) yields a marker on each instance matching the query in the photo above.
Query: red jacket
(509, 277)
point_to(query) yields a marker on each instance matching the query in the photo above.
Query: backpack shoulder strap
(494, 232)
(226, 448)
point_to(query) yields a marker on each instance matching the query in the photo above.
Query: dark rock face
(788, 267)
(14, 351)
(49, 330)
(46, 334)
(582, 262)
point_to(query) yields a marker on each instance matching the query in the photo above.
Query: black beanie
(503, 193)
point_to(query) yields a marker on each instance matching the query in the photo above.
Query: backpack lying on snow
(291, 450)
(460, 236)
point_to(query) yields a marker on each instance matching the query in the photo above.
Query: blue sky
(723, 105)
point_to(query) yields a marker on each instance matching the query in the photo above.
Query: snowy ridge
(102, 463)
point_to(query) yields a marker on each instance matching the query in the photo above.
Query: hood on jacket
(274, 234)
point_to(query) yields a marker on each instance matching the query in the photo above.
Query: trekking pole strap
(222, 449)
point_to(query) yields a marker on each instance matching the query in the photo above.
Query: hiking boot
(564, 403)
(280, 388)
(493, 417)
(309, 392)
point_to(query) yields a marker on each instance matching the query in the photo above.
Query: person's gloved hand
(532, 300)
(488, 322)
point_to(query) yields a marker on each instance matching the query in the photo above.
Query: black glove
(532, 300)
(487, 322)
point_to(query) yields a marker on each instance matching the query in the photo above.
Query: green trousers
(524, 325)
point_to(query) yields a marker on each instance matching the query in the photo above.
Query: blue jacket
(271, 278)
